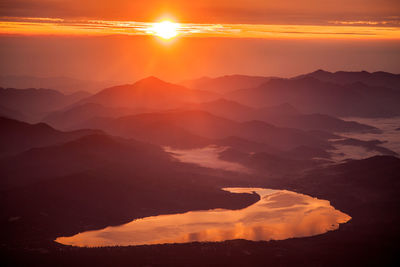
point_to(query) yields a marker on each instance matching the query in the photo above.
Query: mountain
(367, 190)
(371, 145)
(76, 115)
(224, 108)
(96, 181)
(310, 95)
(225, 84)
(17, 136)
(12, 114)
(283, 115)
(148, 127)
(246, 146)
(93, 151)
(72, 117)
(196, 128)
(269, 164)
(319, 122)
(150, 92)
(35, 103)
(284, 109)
(377, 79)
(63, 84)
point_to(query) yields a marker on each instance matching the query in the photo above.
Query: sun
(165, 29)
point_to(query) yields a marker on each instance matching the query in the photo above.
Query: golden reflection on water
(279, 214)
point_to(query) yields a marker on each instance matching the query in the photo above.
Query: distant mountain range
(230, 83)
(73, 117)
(316, 95)
(65, 85)
(284, 115)
(311, 95)
(33, 104)
(150, 92)
(280, 114)
(151, 95)
(340, 93)
(374, 79)
(225, 84)
(199, 128)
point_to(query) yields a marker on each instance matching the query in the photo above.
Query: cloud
(207, 11)
(60, 26)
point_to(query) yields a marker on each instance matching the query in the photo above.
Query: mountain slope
(149, 93)
(196, 128)
(225, 84)
(16, 136)
(76, 115)
(284, 115)
(12, 114)
(35, 103)
(63, 84)
(379, 78)
(90, 152)
(310, 95)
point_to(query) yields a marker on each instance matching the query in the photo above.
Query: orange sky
(332, 29)
(209, 11)
(102, 40)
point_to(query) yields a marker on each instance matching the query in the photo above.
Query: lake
(279, 214)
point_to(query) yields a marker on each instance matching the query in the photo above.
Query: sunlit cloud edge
(336, 29)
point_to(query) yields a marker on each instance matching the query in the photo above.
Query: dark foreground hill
(365, 189)
(93, 151)
(94, 181)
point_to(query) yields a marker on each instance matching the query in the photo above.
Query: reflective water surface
(279, 214)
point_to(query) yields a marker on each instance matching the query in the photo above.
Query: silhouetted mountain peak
(321, 71)
(383, 73)
(150, 92)
(151, 81)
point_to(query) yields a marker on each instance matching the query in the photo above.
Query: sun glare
(165, 29)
